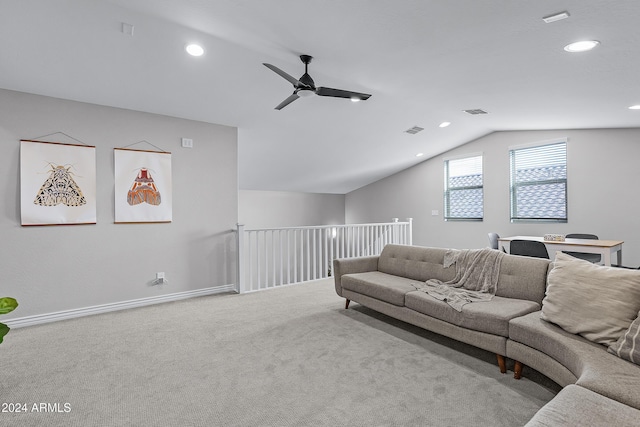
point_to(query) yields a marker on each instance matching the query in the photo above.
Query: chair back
(493, 240)
(581, 236)
(530, 248)
(594, 258)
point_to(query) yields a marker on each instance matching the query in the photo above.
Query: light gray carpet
(285, 357)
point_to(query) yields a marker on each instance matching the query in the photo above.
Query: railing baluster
(263, 248)
(265, 265)
(280, 246)
(326, 267)
(313, 257)
(295, 256)
(308, 255)
(264, 279)
(287, 260)
(257, 257)
(273, 257)
(333, 242)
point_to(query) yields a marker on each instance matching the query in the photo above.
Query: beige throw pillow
(628, 345)
(594, 301)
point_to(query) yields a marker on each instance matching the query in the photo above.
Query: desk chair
(493, 240)
(594, 258)
(528, 248)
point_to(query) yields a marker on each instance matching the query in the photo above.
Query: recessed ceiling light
(581, 46)
(195, 50)
(444, 124)
(355, 99)
(419, 154)
(635, 107)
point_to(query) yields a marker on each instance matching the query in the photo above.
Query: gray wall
(265, 209)
(603, 181)
(57, 268)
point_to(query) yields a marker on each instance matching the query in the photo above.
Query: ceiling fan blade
(339, 93)
(287, 101)
(295, 82)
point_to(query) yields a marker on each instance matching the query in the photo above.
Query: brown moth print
(60, 188)
(143, 190)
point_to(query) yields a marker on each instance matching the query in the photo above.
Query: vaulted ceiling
(423, 61)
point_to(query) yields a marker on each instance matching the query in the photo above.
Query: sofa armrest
(352, 265)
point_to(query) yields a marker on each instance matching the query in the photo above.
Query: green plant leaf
(4, 329)
(7, 305)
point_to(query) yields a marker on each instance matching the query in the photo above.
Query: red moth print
(143, 190)
(60, 188)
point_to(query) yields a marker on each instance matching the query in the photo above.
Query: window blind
(463, 193)
(539, 183)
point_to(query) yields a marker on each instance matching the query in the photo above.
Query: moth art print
(59, 188)
(143, 190)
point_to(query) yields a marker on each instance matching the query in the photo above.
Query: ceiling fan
(304, 86)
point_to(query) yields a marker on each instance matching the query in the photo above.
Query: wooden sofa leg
(502, 364)
(517, 370)
(346, 304)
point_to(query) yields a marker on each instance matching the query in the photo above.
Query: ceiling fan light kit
(305, 86)
(304, 93)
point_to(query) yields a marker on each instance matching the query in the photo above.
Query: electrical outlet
(434, 212)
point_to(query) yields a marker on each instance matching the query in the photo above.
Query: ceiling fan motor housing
(306, 78)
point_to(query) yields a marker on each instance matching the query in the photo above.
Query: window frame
(513, 186)
(447, 190)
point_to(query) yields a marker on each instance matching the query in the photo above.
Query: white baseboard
(105, 308)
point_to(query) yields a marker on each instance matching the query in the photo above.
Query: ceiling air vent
(414, 130)
(475, 111)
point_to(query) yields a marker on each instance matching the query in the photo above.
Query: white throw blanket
(476, 278)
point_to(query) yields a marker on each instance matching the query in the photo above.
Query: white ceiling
(423, 61)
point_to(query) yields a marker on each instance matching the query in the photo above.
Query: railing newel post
(240, 286)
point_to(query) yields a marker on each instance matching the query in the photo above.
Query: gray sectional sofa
(600, 388)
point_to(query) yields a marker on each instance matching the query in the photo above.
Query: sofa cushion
(382, 286)
(577, 406)
(487, 316)
(523, 277)
(628, 345)
(594, 301)
(415, 262)
(595, 368)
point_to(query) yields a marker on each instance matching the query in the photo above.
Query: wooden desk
(605, 248)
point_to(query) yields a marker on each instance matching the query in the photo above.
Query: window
(463, 192)
(539, 183)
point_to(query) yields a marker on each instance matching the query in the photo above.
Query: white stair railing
(271, 257)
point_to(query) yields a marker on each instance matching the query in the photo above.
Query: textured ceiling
(422, 61)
